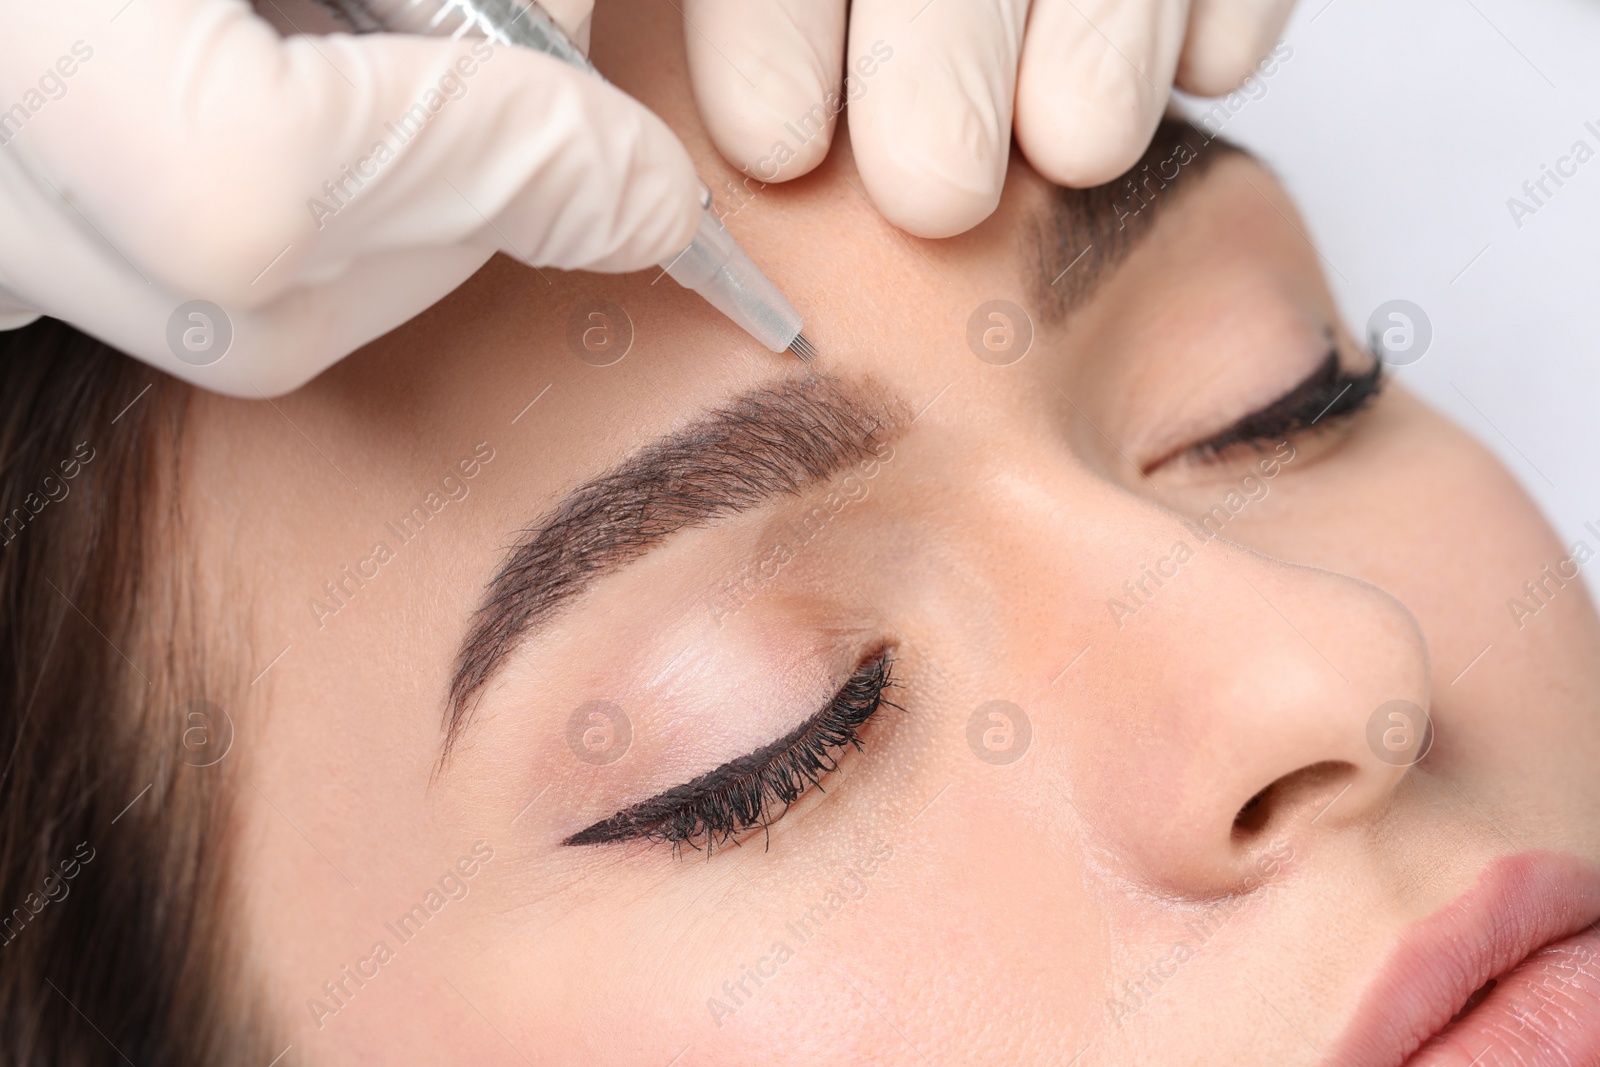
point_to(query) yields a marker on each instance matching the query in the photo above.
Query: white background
(1402, 128)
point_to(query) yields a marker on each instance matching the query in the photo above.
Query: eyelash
(1331, 393)
(747, 792)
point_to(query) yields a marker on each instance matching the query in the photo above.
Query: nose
(1230, 699)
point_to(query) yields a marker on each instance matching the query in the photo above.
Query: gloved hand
(159, 151)
(933, 87)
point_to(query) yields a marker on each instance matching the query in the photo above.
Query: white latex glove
(157, 152)
(934, 86)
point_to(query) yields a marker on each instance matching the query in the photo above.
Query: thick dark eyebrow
(776, 441)
(1086, 233)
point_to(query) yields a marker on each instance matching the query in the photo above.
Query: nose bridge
(1228, 697)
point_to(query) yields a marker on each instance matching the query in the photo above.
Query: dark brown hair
(112, 834)
(1099, 226)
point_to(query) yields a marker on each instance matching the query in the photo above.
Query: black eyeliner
(1328, 394)
(740, 794)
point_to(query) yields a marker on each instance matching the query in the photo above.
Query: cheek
(969, 920)
(1414, 506)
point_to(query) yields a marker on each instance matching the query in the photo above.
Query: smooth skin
(1003, 907)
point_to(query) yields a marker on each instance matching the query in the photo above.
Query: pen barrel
(717, 268)
(713, 265)
(515, 22)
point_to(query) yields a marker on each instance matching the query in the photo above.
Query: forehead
(588, 364)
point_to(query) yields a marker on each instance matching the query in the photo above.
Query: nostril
(1252, 817)
(1298, 789)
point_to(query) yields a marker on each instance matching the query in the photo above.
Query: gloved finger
(931, 88)
(240, 351)
(1095, 79)
(236, 165)
(1226, 38)
(15, 313)
(765, 75)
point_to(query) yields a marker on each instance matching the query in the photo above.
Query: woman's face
(1135, 791)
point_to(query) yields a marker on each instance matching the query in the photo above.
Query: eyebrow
(773, 442)
(1086, 233)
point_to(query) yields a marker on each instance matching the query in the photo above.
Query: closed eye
(1329, 394)
(759, 788)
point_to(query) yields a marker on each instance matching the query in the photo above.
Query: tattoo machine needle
(713, 265)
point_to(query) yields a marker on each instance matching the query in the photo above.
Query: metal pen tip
(803, 348)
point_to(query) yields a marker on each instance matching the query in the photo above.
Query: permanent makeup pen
(713, 265)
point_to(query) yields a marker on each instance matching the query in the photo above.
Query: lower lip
(1543, 1013)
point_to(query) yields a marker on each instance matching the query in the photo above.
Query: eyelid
(1329, 393)
(738, 795)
